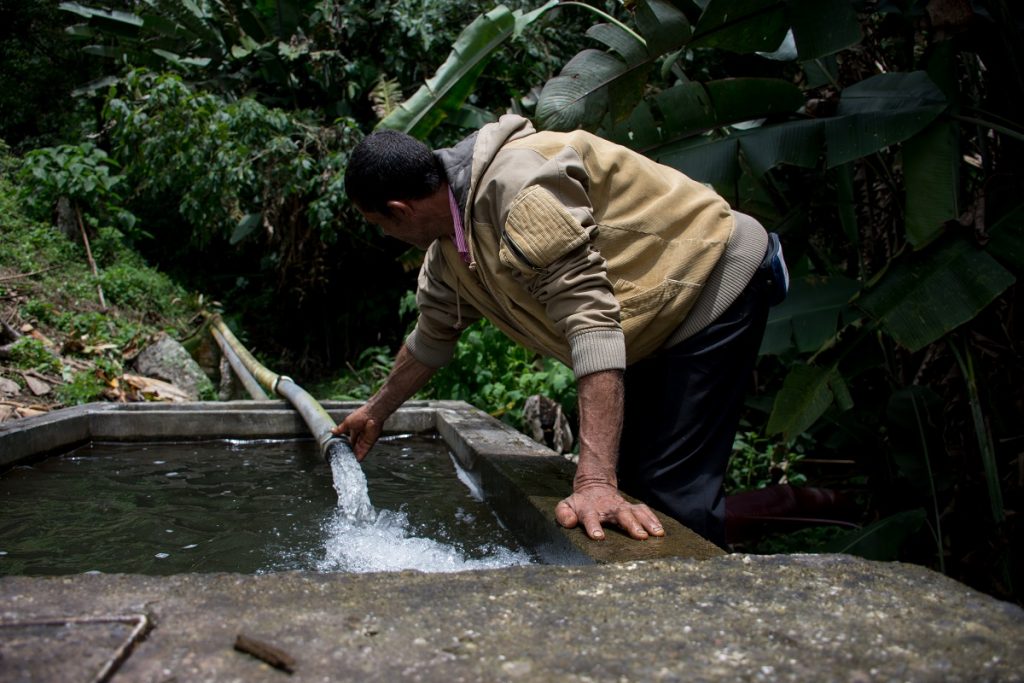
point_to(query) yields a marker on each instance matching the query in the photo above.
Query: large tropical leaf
(594, 83)
(807, 392)
(881, 111)
(119, 23)
(639, 130)
(445, 92)
(809, 316)
(929, 294)
(1008, 239)
(662, 25)
(715, 158)
(881, 540)
(579, 95)
(820, 27)
(872, 115)
(694, 108)
(742, 25)
(930, 164)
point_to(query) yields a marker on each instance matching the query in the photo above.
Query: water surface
(252, 506)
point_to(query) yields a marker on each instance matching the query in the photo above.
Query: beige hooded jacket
(580, 249)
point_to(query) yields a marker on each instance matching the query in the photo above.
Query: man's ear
(399, 208)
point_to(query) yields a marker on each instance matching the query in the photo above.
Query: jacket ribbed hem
(597, 350)
(431, 354)
(728, 279)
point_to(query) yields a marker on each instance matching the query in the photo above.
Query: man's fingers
(630, 524)
(639, 521)
(591, 522)
(649, 520)
(565, 515)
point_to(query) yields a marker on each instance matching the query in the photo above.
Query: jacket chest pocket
(538, 231)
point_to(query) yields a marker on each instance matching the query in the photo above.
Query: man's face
(414, 222)
(400, 227)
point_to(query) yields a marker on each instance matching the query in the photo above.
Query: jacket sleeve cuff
(597, 350)
(433, 353)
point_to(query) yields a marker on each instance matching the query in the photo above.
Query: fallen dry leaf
(151, 389)
(30, 412)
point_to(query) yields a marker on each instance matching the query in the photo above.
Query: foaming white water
(385, 545)
(359, 538)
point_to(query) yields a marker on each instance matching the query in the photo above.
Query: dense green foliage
(490, 370)
(39, 69)
(46, 284)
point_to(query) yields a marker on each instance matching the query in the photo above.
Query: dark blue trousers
(682, 409)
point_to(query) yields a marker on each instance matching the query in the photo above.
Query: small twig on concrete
(275, 657)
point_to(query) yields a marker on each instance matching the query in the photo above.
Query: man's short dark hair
(388, 165)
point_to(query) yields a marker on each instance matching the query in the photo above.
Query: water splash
(359, 538)
(385, 545)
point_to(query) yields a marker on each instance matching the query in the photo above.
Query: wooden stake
(92, 263)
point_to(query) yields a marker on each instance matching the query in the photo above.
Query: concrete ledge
(522, 480)
(799, 619)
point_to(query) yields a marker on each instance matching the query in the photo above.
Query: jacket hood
(465, 163)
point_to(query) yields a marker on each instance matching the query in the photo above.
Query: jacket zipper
(517, 251)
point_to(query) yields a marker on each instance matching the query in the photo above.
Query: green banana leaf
(638, 130)
(662, 25)
(1008, 239)
(623, 42)
(714, 158)
(873, 114)
(694, 107)
(742, 25)
(881, 540)
(579, 95)
(113, 21)
(594, 83)
(445, 92)
(807, 392)
(471, 117)
(929, 294)
(810, 315)
(820, 27)
(931, 160)
(881, 111)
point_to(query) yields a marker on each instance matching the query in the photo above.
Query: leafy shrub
(495, 374)
(128, 286)
(40, 310)
(237, 167)
(757, 462)
(82, 173)
(488, 370)
(85, 386)
(362, 379)
(31, 354)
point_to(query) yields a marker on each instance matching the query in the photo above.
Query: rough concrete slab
(731, 618)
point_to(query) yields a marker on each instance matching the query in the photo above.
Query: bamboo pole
(314, 415)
